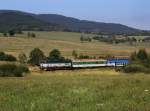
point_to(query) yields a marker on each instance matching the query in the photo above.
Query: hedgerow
(13, 70)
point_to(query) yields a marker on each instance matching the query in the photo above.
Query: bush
(134, 68)
(142, 55)
(13, 70)
(31, 35)
(84, 57)
(22, 58)
(55, 54)
(10, 58)
(139, 62)
(24, 68)
(7, 69)
(6, 57)
(75, 54)
(17, 72)
(11, 32)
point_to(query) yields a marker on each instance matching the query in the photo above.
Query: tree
(5, 34)
(89, 39)
(134, 39)
(22, 58)
(29, 34)
(81, 38)
(142, 55)
(133, 56)
(140, 58)
(36, 55)
(2, 56)
(33, 35)
(11, 32)
(55, 54)
(75, 54)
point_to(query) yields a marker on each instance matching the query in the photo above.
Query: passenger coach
(68, 64)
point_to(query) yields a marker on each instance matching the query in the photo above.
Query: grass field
(85, 90)
(80, 90)
(66, 42)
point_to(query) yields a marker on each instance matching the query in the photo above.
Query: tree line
(13, 32)
(19, 70)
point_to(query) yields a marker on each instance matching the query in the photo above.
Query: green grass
(63, 36)
(85, 90)
(138, 37)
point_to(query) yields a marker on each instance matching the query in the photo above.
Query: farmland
(78, 90)
(66, 42)
(89, 90)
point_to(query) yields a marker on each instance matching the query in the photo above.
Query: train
(80, 64)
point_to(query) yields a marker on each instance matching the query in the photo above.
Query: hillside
(21, 20)
(26, 21)
(74, 24)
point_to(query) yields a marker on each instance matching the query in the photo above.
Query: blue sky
(135, 13)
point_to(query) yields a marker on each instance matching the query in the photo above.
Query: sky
(134, 13)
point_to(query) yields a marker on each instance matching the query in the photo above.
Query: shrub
(6, 57)
(55, 54)
(84, 57)
(17, 72)
(142, 55)
(22, 58)
(31, 35)
(133, 57)
(139, 62)
(134, 68)
(10, 58)
(13, 70)
(11, 32)
(75, 54)
(7, 69)
(24, 68)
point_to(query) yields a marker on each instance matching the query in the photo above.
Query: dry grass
(66, 42)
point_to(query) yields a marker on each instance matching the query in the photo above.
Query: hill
(27, 21)
(21, 20)
(74, 24)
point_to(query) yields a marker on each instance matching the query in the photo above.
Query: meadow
(66, 42)
(78, 90)
(83, 90)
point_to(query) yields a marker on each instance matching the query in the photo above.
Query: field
(85, 90)
(79, 90)
(66, 42)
